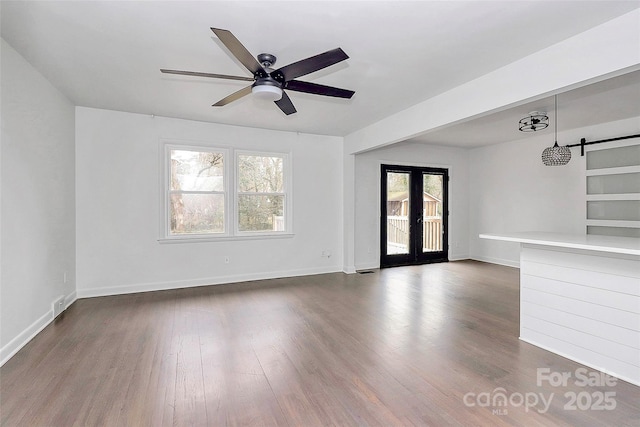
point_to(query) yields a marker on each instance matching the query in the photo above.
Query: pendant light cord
(555, 97)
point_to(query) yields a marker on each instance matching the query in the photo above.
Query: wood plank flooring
(402, 346)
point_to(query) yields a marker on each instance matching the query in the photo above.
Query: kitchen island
(580, 298)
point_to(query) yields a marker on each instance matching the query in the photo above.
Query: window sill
(204, 239)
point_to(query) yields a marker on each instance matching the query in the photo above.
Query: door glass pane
(397, 213)
(432, 231)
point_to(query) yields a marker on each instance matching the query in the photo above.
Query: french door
(414, 212)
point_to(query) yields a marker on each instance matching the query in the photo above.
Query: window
(261, 193)
(197, 197)
(204, 201)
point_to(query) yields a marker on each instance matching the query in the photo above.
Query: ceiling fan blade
(309, 65)
(317, 89)
(285, 104)
(198, 74)
(240, 52)
(233, 97)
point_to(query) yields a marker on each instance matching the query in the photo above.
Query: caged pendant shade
(556, 155)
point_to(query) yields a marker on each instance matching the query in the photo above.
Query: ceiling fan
(269, 83)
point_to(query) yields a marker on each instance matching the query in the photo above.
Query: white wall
(118, 207)
(38, 232)
(367, 196)
(511, 190)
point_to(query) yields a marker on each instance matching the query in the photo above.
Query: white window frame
(230, 176)
(166, 190)
(286, 192)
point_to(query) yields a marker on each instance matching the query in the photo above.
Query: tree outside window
(261, 193)
(196, 194)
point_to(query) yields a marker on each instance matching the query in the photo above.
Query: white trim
(203, 238)
(230, 174)
(612, 171)
(349, 269)
(613, 223)
(16, 344)
(165, 178)
(219, 280)
(626, 196)
(367, 266)
(499, 261)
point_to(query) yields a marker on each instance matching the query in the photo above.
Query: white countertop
(590, 242)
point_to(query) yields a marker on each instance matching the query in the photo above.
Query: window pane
(260, 174)
(432, 230)
(196, 213)
(197, 171)
(398, 213)
(260, 213)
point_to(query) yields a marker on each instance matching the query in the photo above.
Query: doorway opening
(414, 215)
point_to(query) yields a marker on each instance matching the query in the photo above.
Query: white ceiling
(108, 55)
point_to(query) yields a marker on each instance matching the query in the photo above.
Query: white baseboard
(12, 347)
(367, 266)
(499, 261)
(220, 280)
(350, 269)
(70, 299)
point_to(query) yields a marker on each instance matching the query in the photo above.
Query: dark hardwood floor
(424, 345)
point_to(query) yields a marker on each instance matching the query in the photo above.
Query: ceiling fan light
(267, 92)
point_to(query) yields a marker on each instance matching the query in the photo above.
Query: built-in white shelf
(613, 223)
(613, 171)
(613, 188)
(625, 196)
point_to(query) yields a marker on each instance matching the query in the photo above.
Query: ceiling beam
(602, 52)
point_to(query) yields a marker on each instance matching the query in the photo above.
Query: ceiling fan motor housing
(267, 81)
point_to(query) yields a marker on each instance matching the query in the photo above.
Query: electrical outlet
(58, 306)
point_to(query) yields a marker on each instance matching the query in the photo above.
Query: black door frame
(415, 256)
